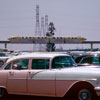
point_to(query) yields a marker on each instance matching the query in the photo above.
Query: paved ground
(16, 97)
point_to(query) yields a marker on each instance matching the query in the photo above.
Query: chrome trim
(97, 89)
(17, 78)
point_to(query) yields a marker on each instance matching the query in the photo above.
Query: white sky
(70, 17)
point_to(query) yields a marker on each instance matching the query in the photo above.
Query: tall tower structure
(46, 24)
(42, 27)
(37, 27)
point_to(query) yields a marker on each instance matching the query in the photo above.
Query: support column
(5, 45)
(91, 46)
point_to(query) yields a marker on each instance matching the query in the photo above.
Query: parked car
(3, 58)
(75, 54)
(88, 59)
(48, 74)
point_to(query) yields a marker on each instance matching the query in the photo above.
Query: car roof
(37, 55)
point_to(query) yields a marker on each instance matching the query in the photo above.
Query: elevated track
(57, 40)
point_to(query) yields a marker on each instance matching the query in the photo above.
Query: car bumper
(97, 89)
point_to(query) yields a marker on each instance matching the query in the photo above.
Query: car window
(78, 59)
(2, 54)
(8, 67)
(95, 60)
(21, 64)
(86, 60)
(40, 64)
(62, 62)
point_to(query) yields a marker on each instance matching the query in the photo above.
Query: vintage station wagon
(48, 74)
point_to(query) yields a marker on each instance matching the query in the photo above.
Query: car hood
(80, 69)
(78, 73)
(89, 65)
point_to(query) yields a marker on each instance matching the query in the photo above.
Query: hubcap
(84, 95)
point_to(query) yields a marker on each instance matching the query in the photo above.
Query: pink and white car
(48, 74)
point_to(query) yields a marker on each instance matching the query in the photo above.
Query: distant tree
(51, 29)
(50, 33)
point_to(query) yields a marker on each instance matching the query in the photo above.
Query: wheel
(3, 93)
(85, 94)
(81, 91)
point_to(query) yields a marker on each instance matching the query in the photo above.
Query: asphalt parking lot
(20, 97)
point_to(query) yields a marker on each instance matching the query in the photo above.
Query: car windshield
(90, 60)
(63, 62)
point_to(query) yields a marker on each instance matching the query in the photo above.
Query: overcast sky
(70, 17)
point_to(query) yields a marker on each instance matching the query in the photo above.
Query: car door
(4, 74)
(17, 77)
(41, 80)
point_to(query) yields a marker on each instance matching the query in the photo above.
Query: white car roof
(37, 55)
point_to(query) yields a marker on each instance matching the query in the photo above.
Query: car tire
(85, 94)
(82, 91)
(3, 93)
